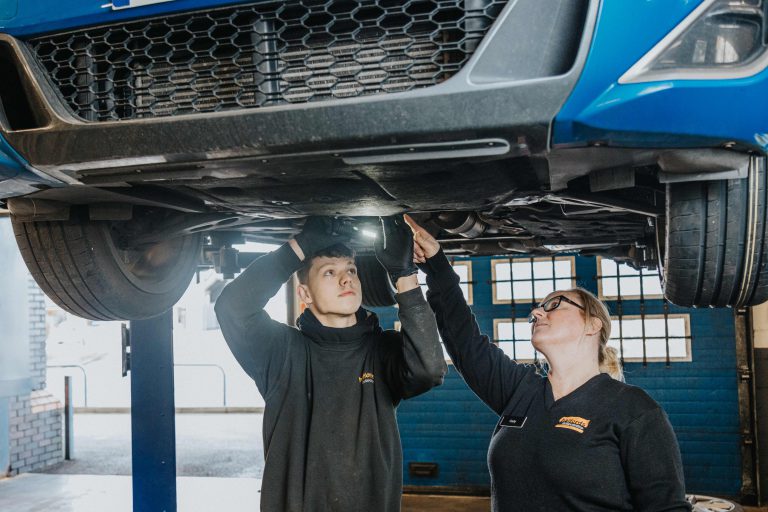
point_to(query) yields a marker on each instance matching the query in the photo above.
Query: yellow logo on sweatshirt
(573, 423)
(366, 378)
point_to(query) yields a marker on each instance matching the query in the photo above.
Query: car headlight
(720, 39)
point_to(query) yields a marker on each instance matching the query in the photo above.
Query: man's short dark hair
(334, 251)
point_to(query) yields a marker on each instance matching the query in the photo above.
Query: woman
(579, 439)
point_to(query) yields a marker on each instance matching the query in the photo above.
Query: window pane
(504, 331)
(502, 272)
(563, 268)
(521, 270)
(523, 290)
(630, 331)
(651, 284)
(543, 288)
(515, 339)
(623, 278)
(543, 269)
(460, 269)
(519, 351)
(504, 291)
(532, 280)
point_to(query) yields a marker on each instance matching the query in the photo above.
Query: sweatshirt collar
(576, 394)
(367, 324)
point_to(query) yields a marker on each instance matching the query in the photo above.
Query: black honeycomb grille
(262, 54)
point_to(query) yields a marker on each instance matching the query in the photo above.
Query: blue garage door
(684, 358)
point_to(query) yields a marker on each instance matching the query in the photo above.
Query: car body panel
(17, 177)
(472, 105)
(673, 113)
(45, 16)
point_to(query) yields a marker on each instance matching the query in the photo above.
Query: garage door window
(652, 338)
(616, 280)
(514, 338)
(464, 270)
(528, 280)
(648, 339)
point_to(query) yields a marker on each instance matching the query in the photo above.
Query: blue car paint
(656, 114)
(11, 164)
(17, 176)
(675, 113)
(8, 9)
(43, 16)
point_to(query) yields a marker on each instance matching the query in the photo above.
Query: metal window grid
(642, 304)
(519, 310)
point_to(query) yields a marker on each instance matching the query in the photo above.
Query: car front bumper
(492, 107)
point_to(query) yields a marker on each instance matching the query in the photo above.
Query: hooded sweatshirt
(331, 441)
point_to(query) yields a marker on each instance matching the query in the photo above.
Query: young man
(331, 386)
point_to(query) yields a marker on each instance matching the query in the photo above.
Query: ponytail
(607, 357)
(610, 362)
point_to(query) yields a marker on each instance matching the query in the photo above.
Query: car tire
(377, 287)
(78, 265)
(715, 249)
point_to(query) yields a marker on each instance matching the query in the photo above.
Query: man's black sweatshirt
(331, 440)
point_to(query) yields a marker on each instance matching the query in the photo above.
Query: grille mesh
(262, 54)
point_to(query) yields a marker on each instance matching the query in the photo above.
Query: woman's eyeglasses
(551, 304)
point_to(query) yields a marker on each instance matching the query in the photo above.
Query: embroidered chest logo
(366, 378)
(573, 423)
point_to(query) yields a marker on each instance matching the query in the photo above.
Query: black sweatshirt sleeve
(652, 464)
(259, 343)
(488, 371)
(422, 365)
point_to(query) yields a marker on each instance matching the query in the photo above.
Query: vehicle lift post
(153, 424)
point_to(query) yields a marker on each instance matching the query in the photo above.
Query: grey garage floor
(219, 462)
(221, 445)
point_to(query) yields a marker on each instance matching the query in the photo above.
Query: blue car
(142, 138)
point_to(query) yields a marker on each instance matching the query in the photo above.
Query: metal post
(153, 425)
(69, 419)
(85, 378)
(745, 368)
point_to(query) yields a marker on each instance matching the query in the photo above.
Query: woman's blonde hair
(608, 357)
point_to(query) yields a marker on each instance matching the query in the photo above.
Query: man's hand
(316, 235)
(394, 249)
(424, 245)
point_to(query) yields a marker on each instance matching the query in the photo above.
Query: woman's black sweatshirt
(606, 446)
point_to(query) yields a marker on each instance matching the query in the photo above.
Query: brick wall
(37, 358)
(35, 419)
(35, 436)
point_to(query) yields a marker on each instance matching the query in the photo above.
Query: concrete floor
(89, 493)
(218, 457)
(33, 492)
(218, 445)
(219, 461)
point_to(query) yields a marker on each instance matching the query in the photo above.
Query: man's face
(332, 288)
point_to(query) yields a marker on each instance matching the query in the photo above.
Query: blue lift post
(153, 424)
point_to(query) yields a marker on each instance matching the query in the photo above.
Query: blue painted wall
(451, 427)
